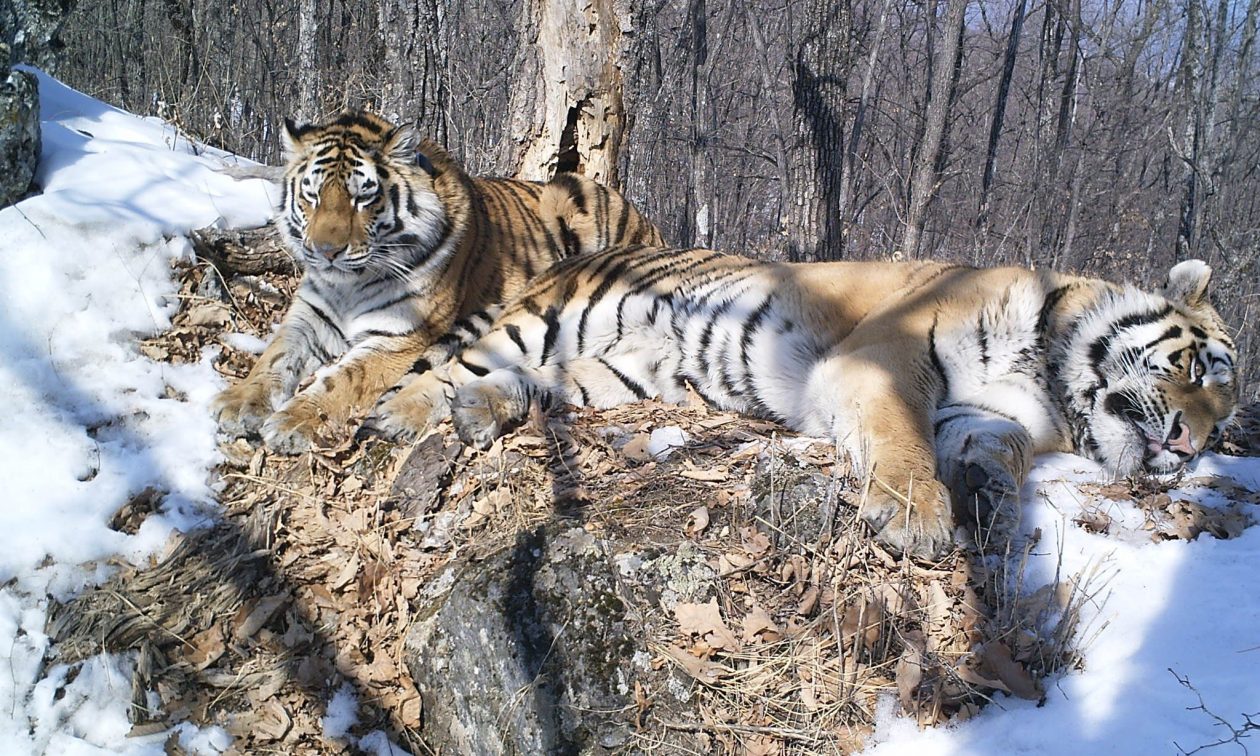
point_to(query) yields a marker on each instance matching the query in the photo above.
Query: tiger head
(358, 197)
(1152, 375)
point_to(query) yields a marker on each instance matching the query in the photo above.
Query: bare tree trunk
(308, 72)
(777, 135)
(849, 168)
(924, 176)
(819, 90)
(999, 114)
(413, 45)
(1189, 83)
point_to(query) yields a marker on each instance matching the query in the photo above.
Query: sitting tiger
(397, 242)
(941, 381)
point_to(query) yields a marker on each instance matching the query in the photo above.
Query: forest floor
(168, 591)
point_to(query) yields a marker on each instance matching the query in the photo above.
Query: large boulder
(19, 130)
(539, 648)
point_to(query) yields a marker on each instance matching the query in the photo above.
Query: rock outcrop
(19, 130)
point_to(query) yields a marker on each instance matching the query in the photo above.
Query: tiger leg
(879, 413)
(351, 384)
(486, 408)
(983, 457)
(294, 353)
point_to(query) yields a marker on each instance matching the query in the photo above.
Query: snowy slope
(84, 273)
(1162, 611)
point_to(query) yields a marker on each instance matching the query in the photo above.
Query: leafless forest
(1107, 136)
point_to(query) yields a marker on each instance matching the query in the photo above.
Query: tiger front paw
(482, 411)
(408, 411)
(982, 491)
(923, 530)
(293, 427)
(242, 409)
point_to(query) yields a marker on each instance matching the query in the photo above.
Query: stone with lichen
(19, 130)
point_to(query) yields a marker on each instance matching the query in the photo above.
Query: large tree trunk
(308, 72)
(923, 179)
(999, 114)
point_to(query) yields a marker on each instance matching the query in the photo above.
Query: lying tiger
(942, 381)
(398, 242)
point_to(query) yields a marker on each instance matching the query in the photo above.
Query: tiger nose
(327, 249)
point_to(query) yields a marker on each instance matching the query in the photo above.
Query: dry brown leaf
(1189, 519)
(348, 572)
(705, 621)
(697, 521)
(154, 352)
(251, 618)
(210, 314)
(1094, 521)
(973, 676)
(382, 669)
(755, 543)
(909, 671)
(808, 602)
(762, 745)
(938, 607)
(641, 704)
(636, 449)
(410, 709)
(997, 659)
(758, 626)
(710, 475)
(730, 563)
(862, 619)
(706, 672)
(273, 722)
(208, 646)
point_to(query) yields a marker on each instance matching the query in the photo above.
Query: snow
(342, 714)
(1162, 611)
(85, 273)
(664, 441)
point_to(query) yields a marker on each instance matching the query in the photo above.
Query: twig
(1237, 734)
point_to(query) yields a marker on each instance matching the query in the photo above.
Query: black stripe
(372, 332)
(609, 280)
(631, 385)
(396, 300)
(936, 358)
(935, 275)
(1043, 319)
(1098, 349)
(623, 220)
(984, 339)
(1173, 332)
(421, 365)
(324, 317)
(745, 338)
(476, 370)
(514, 333)
(552, 318)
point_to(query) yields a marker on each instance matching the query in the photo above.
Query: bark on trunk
(923, 179)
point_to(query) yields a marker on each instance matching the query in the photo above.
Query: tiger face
(1161, 374)
(358, 197)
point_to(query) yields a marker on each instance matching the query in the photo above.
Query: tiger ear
(1188, 283)
(400, 144)
(292, 138)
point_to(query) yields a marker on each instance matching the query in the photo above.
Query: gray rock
(19, 132)
(33, 28)
(798, 501)
(530, 651)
